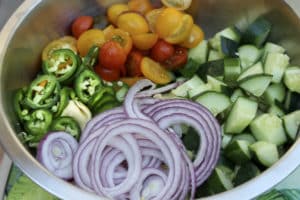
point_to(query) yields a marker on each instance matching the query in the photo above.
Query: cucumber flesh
(256, 84)
(275, 92)
(276, 64)
(216, 85)
(238, 151)
(268, 127)
(265, 152)
(276, 110)
(249, 54)
(241, 115)
(199, 53)
(292, 78)
(291, 124)
(245, 136)
(219, 181)
(246, 172)
(253, 70)
(236, 94)
(230, 33)
(191, 84)
(215, 55)
(215, 102)
(272, 48)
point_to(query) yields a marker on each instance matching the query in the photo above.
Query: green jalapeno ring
(39, 123)
(97, 96)
(43, 92)
(87, 84)
(19, 106)
(66, 124)
(65, 95)
(62, 63)
(107, 101)
(91, 58)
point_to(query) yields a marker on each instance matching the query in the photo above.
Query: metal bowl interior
(37, 22)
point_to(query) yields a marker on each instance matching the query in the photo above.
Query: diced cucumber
(238, 151)
(212, 68)
(276, 64)
(199, 90)
(265, 152)
(276, 110)
(268, 127)
(257, 32)
(236, 94)
(292, 101)
(252, 70)
(255, 84)
(229, 47)
(216, 102)
(292, 78)
(275, 91)
(291, 123)
(220, 180)
(272, 48)
(241, 115)
(244, 136)
(216, 85)
(191, 84)
(249, 54)
(245, 172)
(231, 33)
(215, 55)
(189, 69)
(199, 53)
(226, 139)
(232, 70)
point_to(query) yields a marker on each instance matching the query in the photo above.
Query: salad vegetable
(147, 107)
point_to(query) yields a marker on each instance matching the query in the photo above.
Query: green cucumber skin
(256, 84)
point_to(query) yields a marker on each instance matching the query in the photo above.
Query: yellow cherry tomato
(183, 30)
(167, 22)
(133, 23)
(120, 36)
(141, 6)
(155, 72)
(130, 81)
(88, 39)
(66, 42)
(144, 41)
(178, 4)
(115, 10)
(152, 16)
(196, 36)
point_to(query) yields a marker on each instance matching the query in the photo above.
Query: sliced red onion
(56, 152)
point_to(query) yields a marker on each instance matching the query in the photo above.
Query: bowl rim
(32, 168)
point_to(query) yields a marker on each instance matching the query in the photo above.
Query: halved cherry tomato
(133, 22)
(107, 74)
(196, 36)
(115, 10)
(66, 42)
(144, 41)
(120, 36)
(112, 55)
(152, 16)
(81, 24)
(162, 51)
(88, 39)
(133, 63)
(177, 60)
(141, 6)
(155, 72)
(178, 4)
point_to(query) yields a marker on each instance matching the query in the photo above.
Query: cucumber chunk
(244, 136)
(236, 94)
(232, 70)
(199, 53)
(230, 33)
(245, 172)
(249, 54)
(268, 127)
(275, 92)
(220, 180)
(238, 151)
(216, 85)
(276, 64)
(256, 84)
(191, 84)
(276, 110)
(292, 78)
(241, 115)
(257, 32)
(229, 47)
(265, 152)
(215, 102)
(215, 55)
(272, 48)
(252, 70)
(291, 124)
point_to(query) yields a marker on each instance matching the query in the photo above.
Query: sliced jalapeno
(21, 109)
(65, 95)
(97, 96)
(38, 124)
(91, 58)
(86, 84)
(62, 63)
(67, 124)
(43, 92)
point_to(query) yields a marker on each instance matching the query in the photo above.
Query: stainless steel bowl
(36, 22)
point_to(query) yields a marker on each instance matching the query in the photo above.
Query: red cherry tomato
(133, 63)
(112, 55)
(107, 74)
(82, 24)
(162, 51)
(178, 59)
